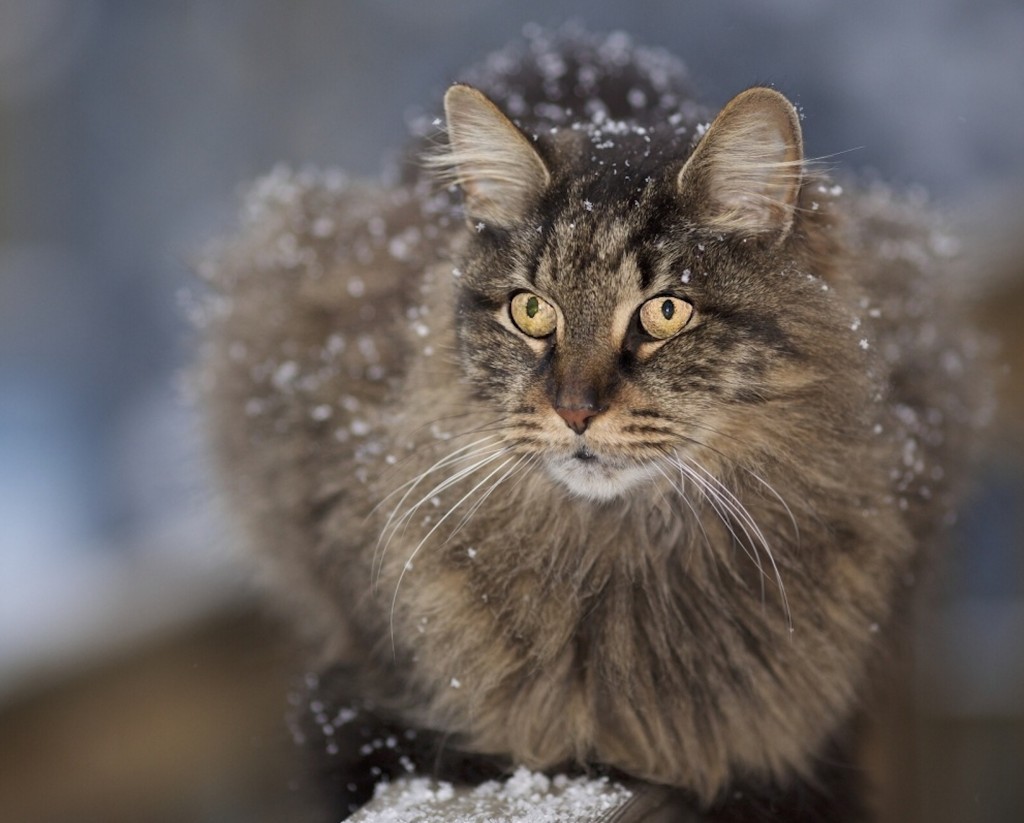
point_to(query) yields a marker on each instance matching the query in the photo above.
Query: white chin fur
(597, 479)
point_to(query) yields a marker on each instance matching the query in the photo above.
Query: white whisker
(729, 507)
(451, 510)
(777, 496)
(392, 526)
(678, 488)
(727, 515)
(440, 464)
(519, 464)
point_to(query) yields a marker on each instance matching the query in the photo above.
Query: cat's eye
(533, 315)
(661, 317)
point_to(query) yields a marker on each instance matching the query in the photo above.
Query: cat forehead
(596, 225)
(587, 252)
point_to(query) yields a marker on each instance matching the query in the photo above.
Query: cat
(609, 434)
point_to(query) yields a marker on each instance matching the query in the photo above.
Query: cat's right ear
(500, 173)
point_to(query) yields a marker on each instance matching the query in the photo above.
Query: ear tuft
(499, 171)
(745, 174)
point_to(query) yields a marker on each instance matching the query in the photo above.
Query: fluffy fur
(695, 590)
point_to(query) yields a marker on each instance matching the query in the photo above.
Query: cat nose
(578, 400)
(577, 419)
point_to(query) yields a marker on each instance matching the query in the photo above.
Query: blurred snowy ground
(126, 130)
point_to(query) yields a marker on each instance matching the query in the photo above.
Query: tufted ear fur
(499, 171)
(745, 174)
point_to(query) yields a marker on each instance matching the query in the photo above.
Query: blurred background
(138, 680)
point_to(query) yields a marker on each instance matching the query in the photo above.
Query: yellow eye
(533, 315)
(662, 317)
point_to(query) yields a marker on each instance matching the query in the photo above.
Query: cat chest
(575, 636)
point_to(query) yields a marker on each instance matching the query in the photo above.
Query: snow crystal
(344, 716)
(335, 345)
(323, 227)
(401, 246)
(525, 796)
(285, 375)
(637, 99)
(944, 245)
(335, 180)
(321, 412)
(368, 348)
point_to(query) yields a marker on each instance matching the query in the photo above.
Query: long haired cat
(606, 437)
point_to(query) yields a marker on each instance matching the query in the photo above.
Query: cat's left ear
(500, 172)
(745, 174)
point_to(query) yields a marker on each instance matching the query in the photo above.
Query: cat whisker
(782, 502)
(744, 468)
(723, 510)
(678, 488)
(393, 525)
(746, 517)
(725, 502)
(452, 457)
(516, 467)
(394, 522)
(451, 510)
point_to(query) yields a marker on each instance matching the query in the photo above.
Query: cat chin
(598, 479)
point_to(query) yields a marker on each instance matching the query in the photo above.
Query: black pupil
(532, 307)
(668, 308)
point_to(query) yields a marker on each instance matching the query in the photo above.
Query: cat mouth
(588, 474)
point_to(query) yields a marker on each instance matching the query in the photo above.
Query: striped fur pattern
(698, 587)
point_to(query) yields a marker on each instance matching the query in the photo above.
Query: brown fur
(820, 381)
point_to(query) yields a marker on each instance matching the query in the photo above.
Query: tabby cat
(601, 437)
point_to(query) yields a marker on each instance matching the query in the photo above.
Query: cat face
(623, 326)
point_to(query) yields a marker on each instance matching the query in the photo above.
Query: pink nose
(577, 419)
